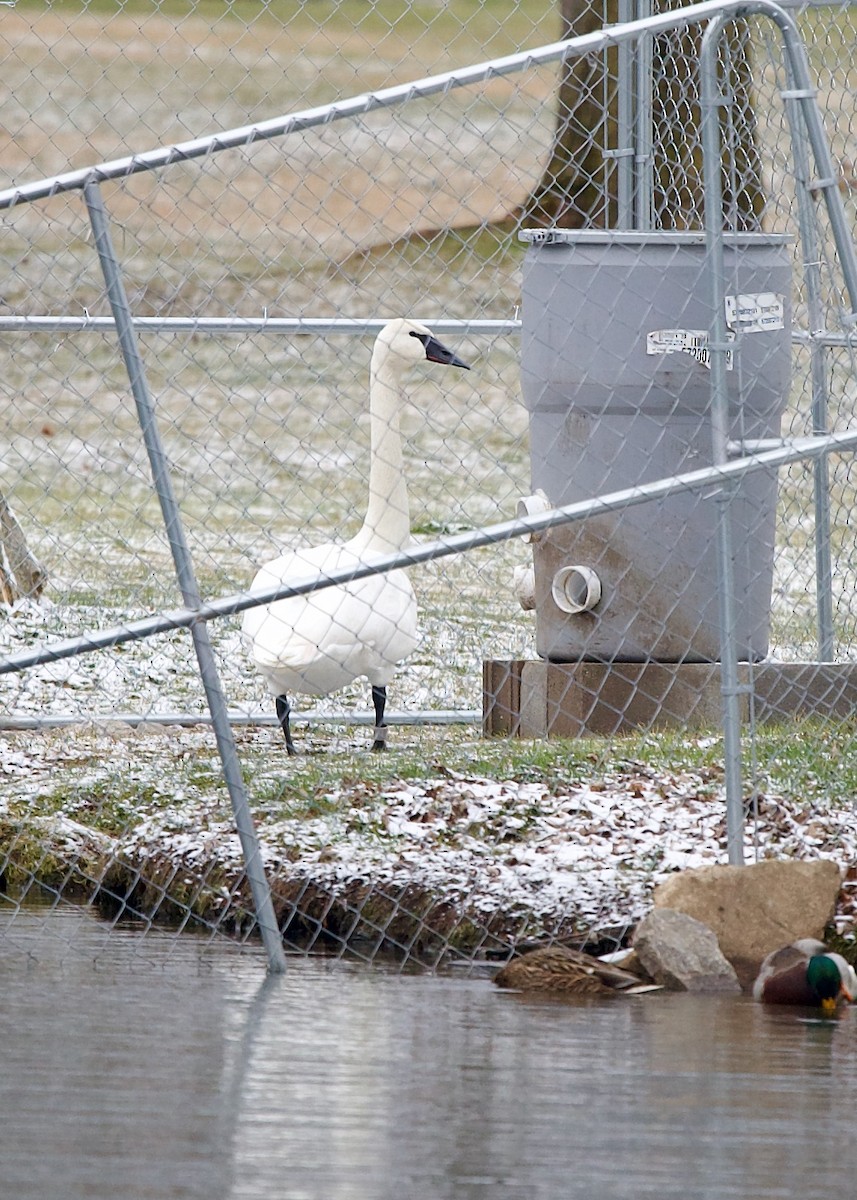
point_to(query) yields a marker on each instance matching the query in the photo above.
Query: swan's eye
(422, 337)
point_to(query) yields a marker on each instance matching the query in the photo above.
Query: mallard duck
(805, 973)
(558, 969)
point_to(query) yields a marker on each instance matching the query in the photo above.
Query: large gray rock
(682, 954)
(756, 909)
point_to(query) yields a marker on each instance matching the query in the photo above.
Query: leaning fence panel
(450, 846)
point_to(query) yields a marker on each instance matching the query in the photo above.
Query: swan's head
(412, 342)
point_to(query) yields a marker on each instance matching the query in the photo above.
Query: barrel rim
(645, 237)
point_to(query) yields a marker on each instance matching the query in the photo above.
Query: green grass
(76, 831)
(800, 760)
(461, 33)
(804, 762)
(484, 21)
(811, 761)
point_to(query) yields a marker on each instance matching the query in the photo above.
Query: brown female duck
(559, 969)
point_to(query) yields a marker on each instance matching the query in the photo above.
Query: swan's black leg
(283, 711)
(379, 699)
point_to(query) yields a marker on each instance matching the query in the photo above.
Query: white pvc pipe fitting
(525, 586)
(576, 589)
(532, 506)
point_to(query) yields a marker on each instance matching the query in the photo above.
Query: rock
(630, 961)
(756, 909)
(682, 954)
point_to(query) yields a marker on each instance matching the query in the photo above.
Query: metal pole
(719, 348)
(625, 125)
(186, 578)
(241, 326)
(421, 719)
(643, 134)
(818, 372)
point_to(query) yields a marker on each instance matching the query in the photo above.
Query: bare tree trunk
(679, 197)
(578, 188)
(572, 192)
(21, 574)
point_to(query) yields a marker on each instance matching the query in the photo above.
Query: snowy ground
(451, 861)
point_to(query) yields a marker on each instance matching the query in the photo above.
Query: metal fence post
(818, 373)
(624, 152)
(644, 182)
(719, 349)
(186, 577)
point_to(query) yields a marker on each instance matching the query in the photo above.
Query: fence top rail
(48, 323)
(319, 326)
(366, 102)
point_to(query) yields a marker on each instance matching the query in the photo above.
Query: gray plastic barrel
(615, 378)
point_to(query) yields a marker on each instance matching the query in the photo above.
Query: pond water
(157, 1068)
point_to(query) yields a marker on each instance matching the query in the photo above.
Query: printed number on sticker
(684, 341)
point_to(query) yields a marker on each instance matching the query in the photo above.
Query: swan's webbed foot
(283, 711)
(379, 700)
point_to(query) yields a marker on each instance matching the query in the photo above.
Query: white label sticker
(755, 312)
(684, 341)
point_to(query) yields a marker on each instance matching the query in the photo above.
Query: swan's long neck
(387, 525)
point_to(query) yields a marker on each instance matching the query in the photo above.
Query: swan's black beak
(437, 352)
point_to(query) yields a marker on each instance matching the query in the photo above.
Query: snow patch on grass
(509, 859)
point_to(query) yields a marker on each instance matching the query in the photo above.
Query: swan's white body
(318, 643)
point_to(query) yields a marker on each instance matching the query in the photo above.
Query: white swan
(318, 643)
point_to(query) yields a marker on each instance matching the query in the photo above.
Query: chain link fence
(259, 259)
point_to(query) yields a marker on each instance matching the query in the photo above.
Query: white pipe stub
(525, 586)
(533, 506)
(576, 589)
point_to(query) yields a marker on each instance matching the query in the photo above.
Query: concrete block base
(524, 698)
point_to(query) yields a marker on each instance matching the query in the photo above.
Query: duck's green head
(825, 982)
